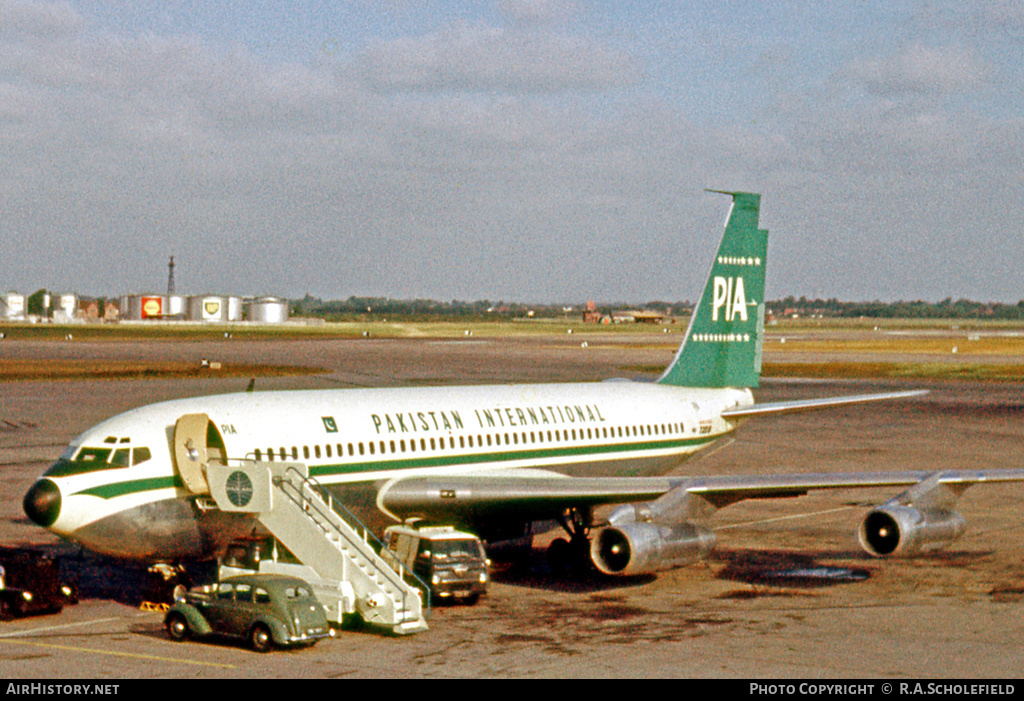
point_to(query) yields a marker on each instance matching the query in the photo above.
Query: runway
(952, 614)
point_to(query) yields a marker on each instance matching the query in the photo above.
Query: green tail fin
(722, 347)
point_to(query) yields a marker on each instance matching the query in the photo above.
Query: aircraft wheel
(559, 556)
(260, 638)
(177, 627)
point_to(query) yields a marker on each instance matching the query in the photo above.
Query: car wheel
(260, 638)
(177, 627)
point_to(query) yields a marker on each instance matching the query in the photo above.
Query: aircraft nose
(42, 502)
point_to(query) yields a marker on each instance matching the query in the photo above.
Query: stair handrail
(301, 500)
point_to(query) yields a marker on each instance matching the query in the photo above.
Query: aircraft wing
(534, 496)
(810, 404)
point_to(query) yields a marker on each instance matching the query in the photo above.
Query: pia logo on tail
(729, 298)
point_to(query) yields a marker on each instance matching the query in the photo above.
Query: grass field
(19, 369)
(865, 348)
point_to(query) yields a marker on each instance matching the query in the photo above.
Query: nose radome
(42, 503)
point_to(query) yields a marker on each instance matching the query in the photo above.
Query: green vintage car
(266, 610)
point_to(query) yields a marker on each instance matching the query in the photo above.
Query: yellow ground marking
(13, 638)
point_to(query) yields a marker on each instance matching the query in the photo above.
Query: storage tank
(67, 304)
(12, 306)
(267, 310)
(177, 306)
(236, 311)
(208, 308)
(140, 307)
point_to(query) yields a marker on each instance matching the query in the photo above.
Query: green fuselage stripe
(119, 489)
(508, 455)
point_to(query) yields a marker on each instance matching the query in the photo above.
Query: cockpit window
(89, 459)
(93, 455)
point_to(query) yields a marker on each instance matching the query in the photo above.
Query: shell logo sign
(152, 307)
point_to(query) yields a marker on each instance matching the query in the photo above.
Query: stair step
(371, 575)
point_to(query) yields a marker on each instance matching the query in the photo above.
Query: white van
(451, 562)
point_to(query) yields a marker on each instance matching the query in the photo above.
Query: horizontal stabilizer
(812, 404)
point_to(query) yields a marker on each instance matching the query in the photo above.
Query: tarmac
(953, 614)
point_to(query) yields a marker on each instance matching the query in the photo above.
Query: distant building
(590, 313)
(111, 310)
(632, 316)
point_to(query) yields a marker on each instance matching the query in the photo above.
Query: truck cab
(451, 562)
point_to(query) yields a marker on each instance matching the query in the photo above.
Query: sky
(541, 151)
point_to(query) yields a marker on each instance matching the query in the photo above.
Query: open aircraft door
(197, 442)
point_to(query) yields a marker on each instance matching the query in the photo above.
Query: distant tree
(40, 303)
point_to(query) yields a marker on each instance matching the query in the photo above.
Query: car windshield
(456, 549)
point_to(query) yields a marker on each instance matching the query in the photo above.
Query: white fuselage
(113, 501)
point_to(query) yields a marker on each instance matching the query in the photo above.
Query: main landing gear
(572, 554)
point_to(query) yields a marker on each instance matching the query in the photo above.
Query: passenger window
(224, 592)
(262, 597)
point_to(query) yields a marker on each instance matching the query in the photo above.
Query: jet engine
(641, 547)
(904, 530)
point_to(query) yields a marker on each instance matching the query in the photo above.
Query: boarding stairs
(305, 519)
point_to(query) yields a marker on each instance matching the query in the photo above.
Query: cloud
(466, 57)
(920, 69)
(46, 19)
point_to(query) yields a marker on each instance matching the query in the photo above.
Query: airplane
(493, 459)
